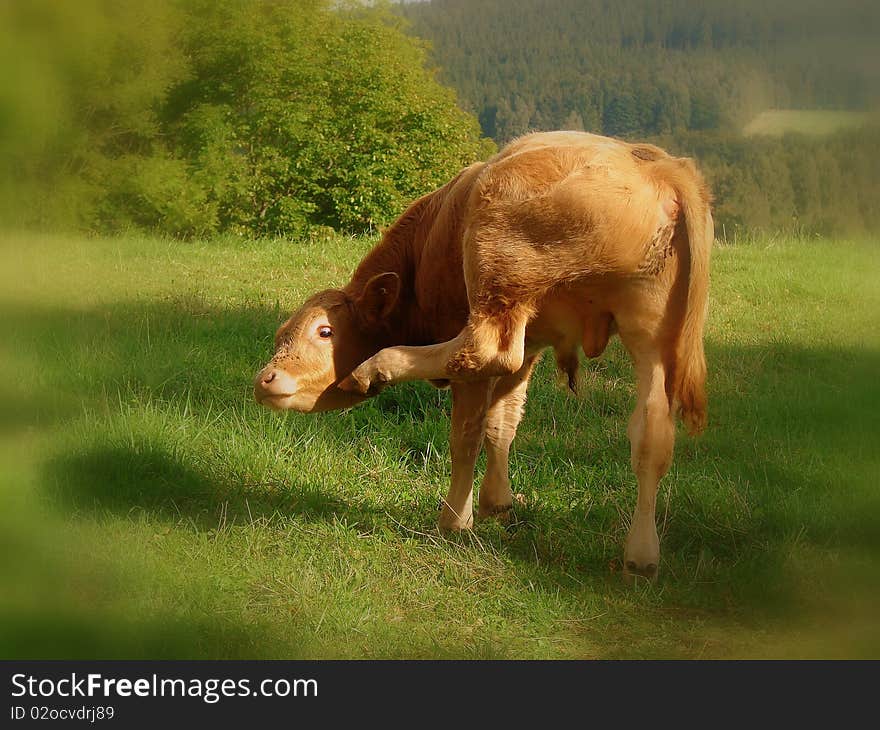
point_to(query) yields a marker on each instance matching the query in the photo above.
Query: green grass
(148, 508)
(812, 122)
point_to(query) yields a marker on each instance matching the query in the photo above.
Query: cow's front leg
(470, 404)
(396, 365)
(485, 348)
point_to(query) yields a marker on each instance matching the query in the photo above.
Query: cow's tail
(688, 382)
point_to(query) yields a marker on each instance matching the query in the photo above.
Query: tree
(573, 121)
(80, 88)
(621, 117)
(332, 113)
(705, 110)
(255, 116)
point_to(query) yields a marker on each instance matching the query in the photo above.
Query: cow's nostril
(269, 377)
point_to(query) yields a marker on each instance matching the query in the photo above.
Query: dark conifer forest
(694, 76)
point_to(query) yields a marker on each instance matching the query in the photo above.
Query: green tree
(195, 117)
(621, 117)
(80, 89)
(705, 110)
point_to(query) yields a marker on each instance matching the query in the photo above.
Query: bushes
(248, 116)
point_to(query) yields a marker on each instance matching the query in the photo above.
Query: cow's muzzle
(272, 387)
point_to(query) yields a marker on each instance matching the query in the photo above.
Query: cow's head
(322, 342)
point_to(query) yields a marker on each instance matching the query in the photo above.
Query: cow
(561, 240)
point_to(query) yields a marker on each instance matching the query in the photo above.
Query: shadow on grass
(151, 479)
(53, 605)
(181, 349)
(59, 631)
(788, 457)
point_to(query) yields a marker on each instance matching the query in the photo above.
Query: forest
(689, 75)
(637, 68)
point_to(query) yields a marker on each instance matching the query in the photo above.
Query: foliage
(81, 84)
(246, 116)
(258, 117)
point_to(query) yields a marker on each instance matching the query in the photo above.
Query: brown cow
(560, 240)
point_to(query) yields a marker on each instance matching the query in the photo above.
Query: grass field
(148, 508)
(812, 122)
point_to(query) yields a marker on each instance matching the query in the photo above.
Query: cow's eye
(325, 332)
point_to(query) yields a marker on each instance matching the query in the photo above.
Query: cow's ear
(379, 296)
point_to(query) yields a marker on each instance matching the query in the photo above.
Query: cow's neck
(428, 235)
(399, 251)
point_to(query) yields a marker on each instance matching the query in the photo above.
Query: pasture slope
(148, 508)
(813, 122)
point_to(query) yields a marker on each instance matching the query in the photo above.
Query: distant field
(816, 122)
(149, 509)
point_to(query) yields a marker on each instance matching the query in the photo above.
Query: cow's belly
(571, 318)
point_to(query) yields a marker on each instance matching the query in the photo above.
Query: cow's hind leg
(652, 437)
(488, 346)
(505, 413)
(470, 405)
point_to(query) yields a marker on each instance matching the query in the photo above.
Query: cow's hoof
(362, 382)
(351, 384)
(634, 573)
(451, 522)
(503, 513)
(641, 554)
(456, 526)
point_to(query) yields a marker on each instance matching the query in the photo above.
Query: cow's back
(548, 209)
(563, 206)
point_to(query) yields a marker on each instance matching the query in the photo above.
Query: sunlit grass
(149, 508)
(813, 122)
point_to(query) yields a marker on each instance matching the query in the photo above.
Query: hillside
(634, 69)
(814, 122)
(693, 77)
